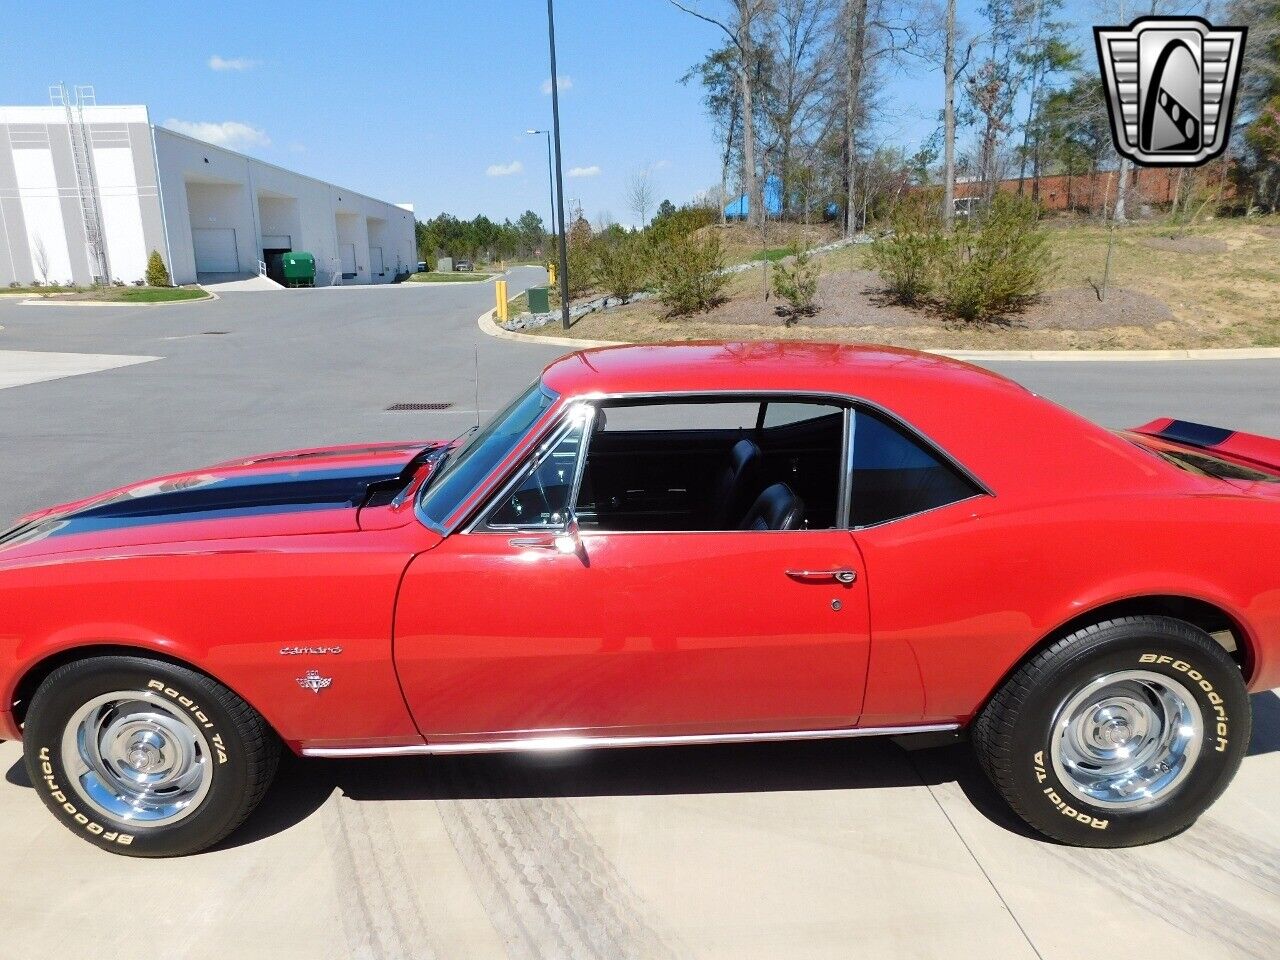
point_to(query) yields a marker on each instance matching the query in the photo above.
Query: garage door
(215, 250)
(348, 260)
(376, 266)
(277, 242)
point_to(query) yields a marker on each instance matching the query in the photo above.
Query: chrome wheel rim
(137, 758)
(1127, 740)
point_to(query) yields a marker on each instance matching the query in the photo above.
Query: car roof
(1010, 438)
(876, 373)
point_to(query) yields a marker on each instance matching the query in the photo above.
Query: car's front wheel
(146, 758)
(1120, 734)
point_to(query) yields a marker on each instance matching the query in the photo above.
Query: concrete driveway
(842, 849)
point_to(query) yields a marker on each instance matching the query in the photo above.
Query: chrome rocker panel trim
(555, 743)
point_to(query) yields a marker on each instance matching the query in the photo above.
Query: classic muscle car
(685, 544)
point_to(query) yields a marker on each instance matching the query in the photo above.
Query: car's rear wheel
(1120, 734)
(144, 757)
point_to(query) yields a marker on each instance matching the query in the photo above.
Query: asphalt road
(809, 850)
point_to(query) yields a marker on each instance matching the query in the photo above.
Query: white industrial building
(87, 192)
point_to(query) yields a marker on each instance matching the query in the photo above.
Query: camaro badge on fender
(1171, 85)
(314, 682)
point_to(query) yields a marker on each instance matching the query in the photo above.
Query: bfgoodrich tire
(1120, 734)
(144, 758)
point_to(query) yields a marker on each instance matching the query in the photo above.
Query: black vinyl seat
(735, 484)
(777, 508)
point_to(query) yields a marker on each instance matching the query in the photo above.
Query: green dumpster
(539, 299)
(299, 269)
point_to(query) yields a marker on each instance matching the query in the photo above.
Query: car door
(517, 626)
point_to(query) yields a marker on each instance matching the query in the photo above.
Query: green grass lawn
(154, 294)
(773, 254)
(121, 294)
(448, 277)
(26, 291)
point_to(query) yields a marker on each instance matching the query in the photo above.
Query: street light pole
(551, 183)
(555, 127)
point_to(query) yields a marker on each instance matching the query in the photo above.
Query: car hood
(313, 490)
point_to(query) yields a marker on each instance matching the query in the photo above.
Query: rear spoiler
(1235, 444)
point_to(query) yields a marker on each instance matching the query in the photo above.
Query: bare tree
(796, 69)
(745, 17)
(640, 195)
(855, 41)
(40, 258)
(949, 117)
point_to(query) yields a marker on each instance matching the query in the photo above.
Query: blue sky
(426, 103)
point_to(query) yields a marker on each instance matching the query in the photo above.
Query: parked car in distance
(422, 266)
(463, 266)
(664, 545)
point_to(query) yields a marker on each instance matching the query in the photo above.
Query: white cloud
(231, 63)
(591, 171)
(566, 83)
(504, 169)
(229, 133)
(662, 165)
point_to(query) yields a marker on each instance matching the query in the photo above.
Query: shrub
(581, 260)
(907, 256)
(988, 265)
(996, 264)
(796, 282)
(622, 265)
(157, 272)
(687, 275)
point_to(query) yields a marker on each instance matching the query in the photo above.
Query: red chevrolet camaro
(701, 543)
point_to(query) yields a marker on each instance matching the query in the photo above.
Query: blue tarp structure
(738, 209)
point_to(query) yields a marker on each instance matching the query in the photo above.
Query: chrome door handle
(839, 576)
(534, 543)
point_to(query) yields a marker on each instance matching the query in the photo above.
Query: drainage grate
(397, 407)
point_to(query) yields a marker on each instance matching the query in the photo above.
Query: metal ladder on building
(86, 179)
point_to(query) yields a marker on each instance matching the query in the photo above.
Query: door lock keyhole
(835, 604)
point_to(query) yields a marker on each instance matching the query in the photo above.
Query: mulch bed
(857, 299)
(1186, 244)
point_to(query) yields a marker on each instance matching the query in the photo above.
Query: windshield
(464, 469)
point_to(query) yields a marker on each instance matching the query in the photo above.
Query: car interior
(734, 464)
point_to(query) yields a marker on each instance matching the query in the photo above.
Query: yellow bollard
(500, 290)
(551, 274)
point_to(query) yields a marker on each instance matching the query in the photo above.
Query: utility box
(299, 269)
(444, 265)
(539, 299)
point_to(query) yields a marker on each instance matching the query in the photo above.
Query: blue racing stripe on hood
(214, 497)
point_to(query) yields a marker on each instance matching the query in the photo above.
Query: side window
(786, 412)
(663, 417)
(541, 497)
(895, 476)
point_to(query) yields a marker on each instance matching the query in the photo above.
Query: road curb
(488, 325)
(41, 302)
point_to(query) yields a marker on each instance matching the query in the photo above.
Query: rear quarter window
(894, 475)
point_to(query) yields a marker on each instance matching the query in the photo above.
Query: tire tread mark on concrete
(550, 890)
(397, 884)
(1131, 875)
(354, 911)
(1247, 858)
(380, 915)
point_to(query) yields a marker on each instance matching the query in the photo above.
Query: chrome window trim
(478, 492)
(849, 401)
(556, 742)
(563, 427)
